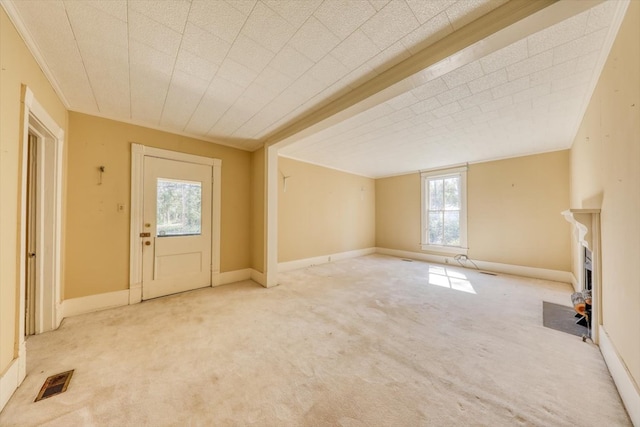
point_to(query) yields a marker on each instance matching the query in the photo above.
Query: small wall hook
(101, 169)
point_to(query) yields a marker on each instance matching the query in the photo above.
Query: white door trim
(138, 153)
(36, 117)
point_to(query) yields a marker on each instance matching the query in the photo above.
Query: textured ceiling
(238, 71)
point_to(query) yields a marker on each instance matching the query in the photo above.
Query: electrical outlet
(121, 207)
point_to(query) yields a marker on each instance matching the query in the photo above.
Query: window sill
(455, 250)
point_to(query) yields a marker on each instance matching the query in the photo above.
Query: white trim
(234, 276)
(97, 302)
(270, 275)
(515, 270)
(13, 376)
(627, 388)
(258, 277)
(138, 153)
(323, 259)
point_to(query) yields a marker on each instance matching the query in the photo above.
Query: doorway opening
(41, 207)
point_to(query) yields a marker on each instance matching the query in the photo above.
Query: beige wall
(605, 173)
(513, 211)
(17, 67)
(323, 211)
(257, 209)
(97, 250)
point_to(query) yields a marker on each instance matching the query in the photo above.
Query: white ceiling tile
(463, 12)
(389, 57)
(489, 81)
(268, 28)
(600, 16)
(430, 89)
(427, 34)
(497, 104)
(454, 94)
(405, 100)
(579, 47)
(295, 12)
(204, 44)
(426, 106)
(196, 66)
(476, 99)
(237, 73)
(466, 114)
(552, 73)
(502, 58)
(244, 6)
(534, 92)
(247, 52)
(328, 70)
(343, 17)
(217, 17)
(232, 119)
(94, 25)
(359, 76)
(378, 4)
(355, 50)
(558, 34)
(444, 120)
(115, 8)
(446, 110)
(390, 24)
(511, 87)
(143, 58)
(463, 75)
(148, 93)
(530, 65)
(153, 34)
(171, 13)
(427, 10)
(271, 81)
(185, 93)
(291, 62)
(218, 98)
(589, 61)
(314, 40)
(578, 79)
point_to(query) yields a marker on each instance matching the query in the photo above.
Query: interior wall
(97, 248)
(323, 211)
(513, 211)
(17, 67)
(257, 209)
(605, 174)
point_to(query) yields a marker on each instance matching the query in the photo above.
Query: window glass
(179, 211)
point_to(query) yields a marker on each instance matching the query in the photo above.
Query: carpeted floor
(372, 341)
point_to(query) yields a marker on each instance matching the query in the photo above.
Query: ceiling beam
(505, 25)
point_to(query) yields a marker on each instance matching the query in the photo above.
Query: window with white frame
(444, 210)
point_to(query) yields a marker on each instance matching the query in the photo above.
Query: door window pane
(179, 210)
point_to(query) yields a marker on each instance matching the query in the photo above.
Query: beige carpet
(373, 341)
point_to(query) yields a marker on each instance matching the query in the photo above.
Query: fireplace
(586, 255)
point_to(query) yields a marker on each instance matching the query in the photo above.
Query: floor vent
(55, 384)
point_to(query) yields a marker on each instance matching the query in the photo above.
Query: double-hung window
(444, 210)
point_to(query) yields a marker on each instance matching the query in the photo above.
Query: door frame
(138, 153)
(49, 233)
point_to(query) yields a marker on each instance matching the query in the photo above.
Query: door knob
(32, 254)
(147, 243)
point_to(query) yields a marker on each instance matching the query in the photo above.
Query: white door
(176, 227)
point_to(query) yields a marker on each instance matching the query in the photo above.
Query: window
(444, 214)
(179, 208)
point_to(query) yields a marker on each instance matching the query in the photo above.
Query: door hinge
(145, 234)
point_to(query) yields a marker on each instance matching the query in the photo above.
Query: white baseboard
(323, 259)
(88, 304)
(234, 276)
(625, 384)
(516, 270)
(11, 379)
(258, 277)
